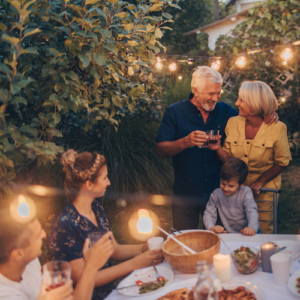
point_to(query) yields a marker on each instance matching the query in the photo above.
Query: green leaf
(117, 100)
(56, 117)
(130, 7)
(111, 47)
(36, 30)
(136, 92)
(130, 71)
(115, 76)
(99, 59)
(29, 50)
(106, 33)
(175, 5)
(23, 83)
(87, 2)
(3, 95)
(18, 100)
(106, 102)
(131, 107)
(84, 59)
(128, 26)
(4, 68)
(10, 39)
(72, 75)
(121, 15)
(133, 43)
(158, 33)
(54, 132)
(150, 27)
(168, 16)
(31, 131)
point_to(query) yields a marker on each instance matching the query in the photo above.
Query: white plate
(248, 285)
(292, 247)
(145, 275)
(292, 283)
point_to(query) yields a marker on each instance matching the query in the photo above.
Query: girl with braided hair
(86, 179)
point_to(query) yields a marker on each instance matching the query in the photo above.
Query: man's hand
(248, 231)
(218, 229)
(63, 292)
(272, 118)
(148, 258)
(195, 138)
(97, 256)
(255, 187)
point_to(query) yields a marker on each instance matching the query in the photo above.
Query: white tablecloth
(265, 281)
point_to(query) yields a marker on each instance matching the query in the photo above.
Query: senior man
(181, 132)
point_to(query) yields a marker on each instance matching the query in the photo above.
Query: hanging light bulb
(216, 65)
(190, 61)
(172, 67)
(158, 65)
(179, 77)
(241, 62)
(286, 54)
(267, 63)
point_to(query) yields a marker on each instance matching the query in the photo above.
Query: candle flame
(145, 225)
(23, 207)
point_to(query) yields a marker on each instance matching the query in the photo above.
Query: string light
(267, 63)
(158, 65)
(173, 67)
(286, 54)
(241, 62)
(285, 62)
(216, 65)
(222, 91)
(180, 77)
(282, 99)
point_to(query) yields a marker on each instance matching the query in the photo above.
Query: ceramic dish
(292, 283)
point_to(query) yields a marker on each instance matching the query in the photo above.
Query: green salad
(246, 260)
(152, 286)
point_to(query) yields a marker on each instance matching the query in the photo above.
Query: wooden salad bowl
(205, 243)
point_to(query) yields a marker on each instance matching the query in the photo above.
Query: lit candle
(266, 250)
(222, 266)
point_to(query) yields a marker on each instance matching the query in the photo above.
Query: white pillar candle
(222, 266)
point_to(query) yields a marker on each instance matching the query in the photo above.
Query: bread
(181, 294)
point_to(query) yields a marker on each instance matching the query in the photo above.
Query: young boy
(233, 201)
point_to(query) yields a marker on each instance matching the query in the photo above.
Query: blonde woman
(265, 149)
(86, 178)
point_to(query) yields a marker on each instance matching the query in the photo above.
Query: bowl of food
(205, 243)
(245, 259)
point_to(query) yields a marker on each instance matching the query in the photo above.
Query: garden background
(80, 74)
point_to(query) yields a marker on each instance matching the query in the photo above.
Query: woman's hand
(255, 187)
(64, 292)
(215, 146)
(148, 258)
(272, 118)
(248, 231)
(97, 256)
(218, 229)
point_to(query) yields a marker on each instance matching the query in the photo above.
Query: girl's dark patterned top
(68, 233)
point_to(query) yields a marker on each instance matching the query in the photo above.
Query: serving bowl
(205, 243)
(245, 259)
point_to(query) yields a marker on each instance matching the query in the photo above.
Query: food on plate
(245, 259)
(298, 284)
(152, 286)
(276, 246)
(181, 294)
(240, 293)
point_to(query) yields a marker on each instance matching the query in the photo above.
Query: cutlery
(157, 274)
(282, 248)
(135, 285)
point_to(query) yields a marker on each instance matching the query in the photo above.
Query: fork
(157, 274)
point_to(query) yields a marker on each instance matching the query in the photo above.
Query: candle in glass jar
(222, 266)
(266, 250)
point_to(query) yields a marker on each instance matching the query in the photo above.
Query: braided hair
(79, 168)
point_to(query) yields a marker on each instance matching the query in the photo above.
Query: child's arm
(210, 213)
(218, 229)
(251, 213)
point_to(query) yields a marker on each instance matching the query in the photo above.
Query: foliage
(194, 14)
(271, 26)
(87, 58)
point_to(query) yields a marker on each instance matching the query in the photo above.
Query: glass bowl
(245, 259)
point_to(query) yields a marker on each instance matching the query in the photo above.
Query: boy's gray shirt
(236, 211)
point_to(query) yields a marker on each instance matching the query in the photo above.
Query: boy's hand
(248, 231)
(218, 229)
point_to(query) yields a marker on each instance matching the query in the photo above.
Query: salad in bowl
(245, 259)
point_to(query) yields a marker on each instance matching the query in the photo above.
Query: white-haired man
(181, 131)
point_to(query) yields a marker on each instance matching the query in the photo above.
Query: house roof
(228, 18)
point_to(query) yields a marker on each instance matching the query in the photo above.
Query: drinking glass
(213, 136)
(205, 144)
(95, 237)
(56, 273)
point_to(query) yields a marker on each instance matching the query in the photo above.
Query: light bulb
(216, 65)
(172, 67)
(190, 61)
(286, 54)
(267, 63)
(241, 62)
(158, 65)
(180, 77)
(222, 91)
(283, 99)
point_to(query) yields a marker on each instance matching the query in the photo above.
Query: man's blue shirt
(197, 171)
